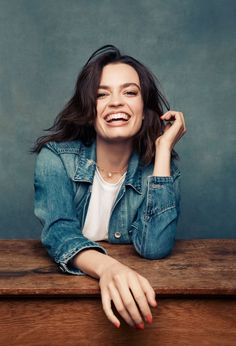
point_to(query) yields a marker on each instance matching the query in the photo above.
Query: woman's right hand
(130, 292)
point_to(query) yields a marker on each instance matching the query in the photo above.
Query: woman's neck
(113, 156)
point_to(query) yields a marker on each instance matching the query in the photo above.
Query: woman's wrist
(92, 262)
(163, 145)
(162, 161)
(104, 264)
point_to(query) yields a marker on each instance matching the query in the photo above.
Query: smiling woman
(106, 171)
(119, 105)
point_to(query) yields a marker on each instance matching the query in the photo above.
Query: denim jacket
(144, 214)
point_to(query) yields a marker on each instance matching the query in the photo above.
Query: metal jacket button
(117, 235)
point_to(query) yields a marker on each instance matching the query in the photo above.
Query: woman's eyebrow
(125, 85)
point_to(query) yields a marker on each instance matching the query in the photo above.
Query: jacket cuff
(64, 260)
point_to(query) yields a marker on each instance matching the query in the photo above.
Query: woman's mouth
(115, 117)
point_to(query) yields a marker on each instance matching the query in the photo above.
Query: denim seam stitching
(65, 258)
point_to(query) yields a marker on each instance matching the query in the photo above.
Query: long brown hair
(76, 120)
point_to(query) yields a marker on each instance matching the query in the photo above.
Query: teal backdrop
(190, 45)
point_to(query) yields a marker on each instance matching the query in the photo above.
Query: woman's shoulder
(58, 159)
(51, 158)
(66, 156)
(73, 147)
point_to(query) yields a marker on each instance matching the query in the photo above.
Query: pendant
(109, 174)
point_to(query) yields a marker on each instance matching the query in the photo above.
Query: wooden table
(195, 287)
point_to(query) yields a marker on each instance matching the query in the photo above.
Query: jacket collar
(86, 166)
(86, 163)
(134, 173)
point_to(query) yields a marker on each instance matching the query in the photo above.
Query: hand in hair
(173, 131)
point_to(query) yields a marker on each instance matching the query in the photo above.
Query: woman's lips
(118, 123)
(117, 117)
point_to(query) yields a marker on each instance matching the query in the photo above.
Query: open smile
(117, 117)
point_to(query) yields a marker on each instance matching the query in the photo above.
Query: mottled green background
(190, 45)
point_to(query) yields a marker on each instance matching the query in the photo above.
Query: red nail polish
(148, 318)
(140, 325)
(117, 324)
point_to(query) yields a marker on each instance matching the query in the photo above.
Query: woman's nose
(116, 100)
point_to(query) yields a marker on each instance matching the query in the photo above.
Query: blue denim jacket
(145, 212)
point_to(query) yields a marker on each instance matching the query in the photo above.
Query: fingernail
(117, 324)
(155, 302)
(148, 318)
(140, 325)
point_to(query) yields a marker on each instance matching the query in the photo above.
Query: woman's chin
(115, 139)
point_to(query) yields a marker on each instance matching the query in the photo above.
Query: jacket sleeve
(154, 229)
(55, 208)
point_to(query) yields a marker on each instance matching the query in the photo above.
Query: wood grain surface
(195, 287)
(195, 267)
(81, 321)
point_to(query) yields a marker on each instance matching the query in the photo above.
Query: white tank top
(102, 198)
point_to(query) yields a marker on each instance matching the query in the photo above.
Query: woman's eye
(99, 95)
(131, 93)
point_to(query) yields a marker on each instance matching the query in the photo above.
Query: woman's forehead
(119, 73)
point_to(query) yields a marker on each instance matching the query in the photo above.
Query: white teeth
(122, 116)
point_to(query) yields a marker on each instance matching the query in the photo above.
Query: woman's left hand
(173, 131)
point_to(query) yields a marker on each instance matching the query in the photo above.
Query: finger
(176, 119)
(172, 115)
(115, 296)
(167, 126)
(141, 299)
(183, 121)
(169, 115)
(169, 120)
(148, 290)
(128, 300)
(180, 117)
(106, 304)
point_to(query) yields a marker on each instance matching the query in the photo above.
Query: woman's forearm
(162, 162)
(92, 262)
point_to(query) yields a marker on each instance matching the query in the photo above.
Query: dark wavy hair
(76, 120)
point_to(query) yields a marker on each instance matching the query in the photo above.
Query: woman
(106, 172)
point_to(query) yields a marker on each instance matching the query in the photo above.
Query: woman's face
(119, 103)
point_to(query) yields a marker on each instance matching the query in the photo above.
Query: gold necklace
(110, 174)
